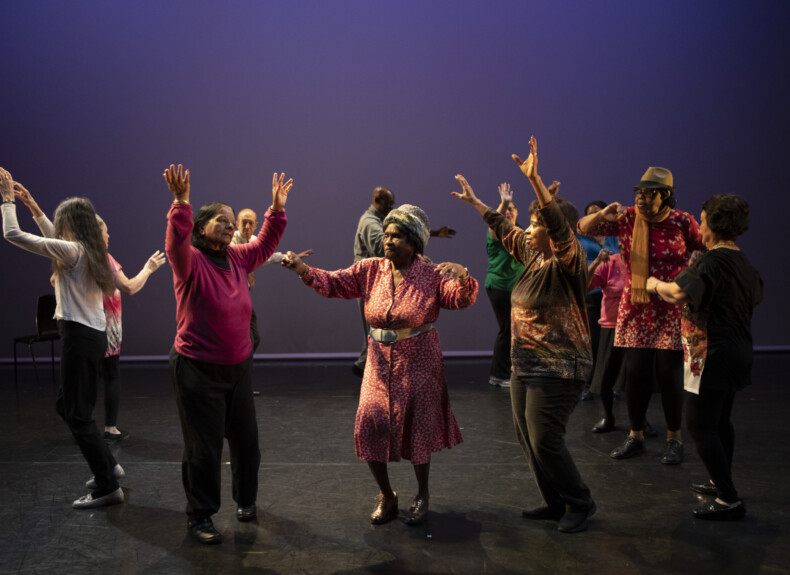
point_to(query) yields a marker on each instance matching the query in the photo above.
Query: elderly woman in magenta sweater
(211, 360)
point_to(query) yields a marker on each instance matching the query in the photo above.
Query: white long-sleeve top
(78, 296)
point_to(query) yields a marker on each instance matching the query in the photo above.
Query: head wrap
(412, 221)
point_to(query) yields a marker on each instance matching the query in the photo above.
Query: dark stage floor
(315, 496)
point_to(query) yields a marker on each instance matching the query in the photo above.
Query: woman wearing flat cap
(404, 408)
(656, 240)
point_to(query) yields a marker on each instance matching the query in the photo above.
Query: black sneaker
(203, 530)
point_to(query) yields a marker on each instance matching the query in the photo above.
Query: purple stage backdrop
(97, 98)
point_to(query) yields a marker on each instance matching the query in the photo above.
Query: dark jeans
(111, 375)
(215, 402)
(500, 363)
(642, 367)
(541, 409)
(80, 363)
(363, 355)
(708, 421)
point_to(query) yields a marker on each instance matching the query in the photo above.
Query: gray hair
(412, 221)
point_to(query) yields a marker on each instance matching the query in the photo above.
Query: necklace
(724, 243)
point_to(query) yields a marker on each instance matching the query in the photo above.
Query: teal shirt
(503, 269)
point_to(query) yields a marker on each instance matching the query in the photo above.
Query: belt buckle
(388, 337)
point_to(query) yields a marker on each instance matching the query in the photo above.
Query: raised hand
(505, 193)
(614, 212)
(155, 261)
(6, 185)
(294, 262)
(451, 271)
(21, 193)
(603, 256)
(529, 166)
(178, 182)
(443, 232)
(280, 191)
(554, 188)
(467, 194)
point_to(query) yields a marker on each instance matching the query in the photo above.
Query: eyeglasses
(647, 194)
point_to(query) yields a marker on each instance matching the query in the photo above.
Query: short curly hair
(727, 215)
(567, 208)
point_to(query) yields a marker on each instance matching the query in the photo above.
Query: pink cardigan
(213, 305)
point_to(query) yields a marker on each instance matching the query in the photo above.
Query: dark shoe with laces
(248, 513)
(418, 512)
(203, 530)
(384, 511)
(575, 521)
(706, 488)
(715, 511)
(543, 513)
(673, 454)
(606, 424)
(631, 447)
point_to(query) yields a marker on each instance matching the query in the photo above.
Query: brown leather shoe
(418, 512)
(384, 511)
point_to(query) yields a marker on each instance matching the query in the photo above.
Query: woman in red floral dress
(655, 240)
(404, 408)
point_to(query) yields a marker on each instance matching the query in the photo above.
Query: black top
(723, 289)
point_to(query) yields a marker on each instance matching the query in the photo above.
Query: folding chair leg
(52, 351)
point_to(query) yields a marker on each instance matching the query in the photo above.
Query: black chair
(47, 331)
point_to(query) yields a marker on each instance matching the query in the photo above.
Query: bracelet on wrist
(9, 201)
(304, 273)
(177, 201)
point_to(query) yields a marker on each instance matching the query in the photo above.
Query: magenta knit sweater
(213, 305)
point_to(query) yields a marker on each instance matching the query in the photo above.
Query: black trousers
(643, 366)
(215, 402)
(80, 364)
(500, 363)
(593, 304)
(708, 421)
(255, 334)
(111, 375)
(541, 409)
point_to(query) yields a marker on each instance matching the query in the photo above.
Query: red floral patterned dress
(404, 408)
(654, 325)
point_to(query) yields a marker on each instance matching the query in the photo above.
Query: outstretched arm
(468, 195)
(505, 197)
(612, 213)
(443, 232)
(134, 285)
(670, 292)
